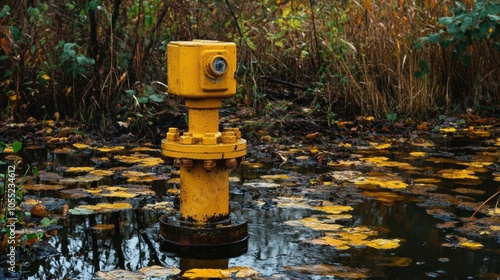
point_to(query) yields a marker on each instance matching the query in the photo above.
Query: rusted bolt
(187, 163)
(231, 164)
(209, 165)
(167, 160)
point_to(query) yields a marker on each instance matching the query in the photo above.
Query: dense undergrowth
(102, 62)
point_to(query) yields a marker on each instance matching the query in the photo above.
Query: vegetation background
(102, 62)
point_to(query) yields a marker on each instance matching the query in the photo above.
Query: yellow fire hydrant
(203, 72)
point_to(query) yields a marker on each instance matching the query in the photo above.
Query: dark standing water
(422, 200)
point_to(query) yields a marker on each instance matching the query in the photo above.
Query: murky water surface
(405, 215)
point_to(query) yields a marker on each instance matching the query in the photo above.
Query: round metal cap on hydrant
(203, 72)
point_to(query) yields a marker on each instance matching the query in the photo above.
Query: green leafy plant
(466, 27)
(391, 116)
(75, 63)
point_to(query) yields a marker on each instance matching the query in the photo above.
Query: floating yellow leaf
(145, 179)
(426, 143)
(137, 158)
(334, 209)
(46, 77)
(302, 157)
(356, 239)
(314, 223)
(471, 245)
(495, 228)
(382, 183)
(495, 211)
(151, 162)
(121, 194)
(345, 145)
(94, 191)
(292, 202)
(480, 133)
(142, 160)
(101, 172)
(106, 207)
(383, 243)
(369, 118)
(476, 164)
(341, 163)
(109, 149)
(417, 154)
(380, 146)
(330, 241)
(132, 173)
(448, 129)
(79, 169)
(81, 146)
(458, 174)
(275, 177)
(375, 159)
(253, 164)
(426, 180)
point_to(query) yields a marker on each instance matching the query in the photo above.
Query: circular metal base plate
(208, 242)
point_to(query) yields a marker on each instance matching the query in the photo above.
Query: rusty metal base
(208, 242)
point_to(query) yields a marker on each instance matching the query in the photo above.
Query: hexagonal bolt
(231, 164)
(187, 163)
(228, 137)
(187, 138)
(173, 134)
(167, 160)
(209, 139)
(234, 130)
(237, 132)
(209, 165)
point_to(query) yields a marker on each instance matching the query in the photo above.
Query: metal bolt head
(187, 163)
(209, 165)
(231, 164)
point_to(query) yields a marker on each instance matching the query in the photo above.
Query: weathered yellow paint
(203, 72)
(204, 195)
(191, 73)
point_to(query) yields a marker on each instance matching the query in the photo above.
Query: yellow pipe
(203, 116)
(204, 195)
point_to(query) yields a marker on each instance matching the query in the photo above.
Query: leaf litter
(333, 225)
